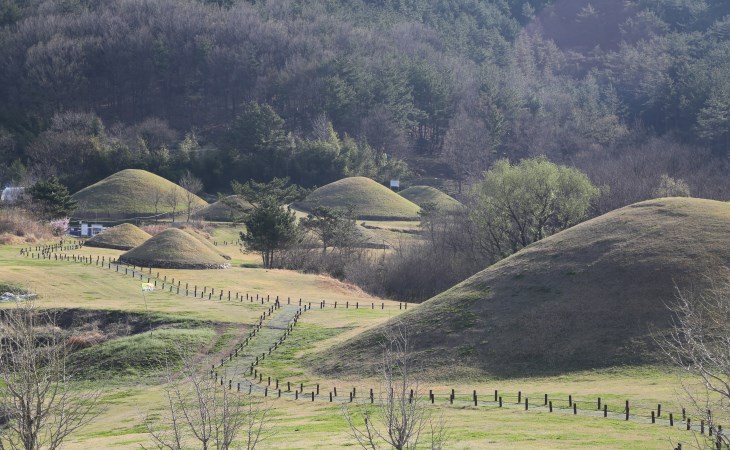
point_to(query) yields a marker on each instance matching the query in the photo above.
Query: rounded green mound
(175, 249)
(220, 211)
(121, 237)
(131, 193)
(424, 195)
(368, 199)
(592, 296)
(203, 238)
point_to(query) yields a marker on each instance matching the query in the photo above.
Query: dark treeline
(627, 91)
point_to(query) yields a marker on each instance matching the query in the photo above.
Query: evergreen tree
(52, 199)
(269, 227)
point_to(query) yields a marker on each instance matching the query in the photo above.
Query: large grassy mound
(129, 193)
(588, 297)
(368, 199)
(423, 195)
(175, 249)
(204, 239)
(121, 237)
(221, 212)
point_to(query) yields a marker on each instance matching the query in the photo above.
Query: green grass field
(126, 367)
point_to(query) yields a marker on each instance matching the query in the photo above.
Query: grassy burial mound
(121, 237)
(588, 297)
(368, 199)
(423, 195)
(130, 193)
(175, 249)
(222, 212)
(203, 238)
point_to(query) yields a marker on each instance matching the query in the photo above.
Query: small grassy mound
(121, 237)
(175, 249)
(423, 195)
(589, 297)
(140, 354)
(130, 193)
(368, 199)
(221, 212)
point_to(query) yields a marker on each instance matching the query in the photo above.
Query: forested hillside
(625, 90)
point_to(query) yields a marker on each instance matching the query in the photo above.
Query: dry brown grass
(19, 227)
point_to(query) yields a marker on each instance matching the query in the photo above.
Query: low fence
(267, 385)
(144, 274)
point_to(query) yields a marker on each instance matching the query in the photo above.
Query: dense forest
(627, 91)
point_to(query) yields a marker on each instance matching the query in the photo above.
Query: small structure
(395, 184)
(12, 195)
(86, 230)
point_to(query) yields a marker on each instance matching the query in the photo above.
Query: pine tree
(52, 199)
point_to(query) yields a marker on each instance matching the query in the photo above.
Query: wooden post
(519, 397)
(689, 424)
(527, 403)
(599, 403)
(500, 402)
(627, 410)
(546, 400)
(330, 396)
(312, 395)
(671, 419)
(550, 403)
(495, 395)
(575, 408)
(653, 419)
(605, 410)
(475, 397)
(570, 400)
(659, 410)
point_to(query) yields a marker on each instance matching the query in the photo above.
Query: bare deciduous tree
(699, 343)
(157, 197)
(204, 414)
(36, 394)
(401, 418)
(191, 185)
(172, 199)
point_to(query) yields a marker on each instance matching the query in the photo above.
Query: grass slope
(121, 237)
(587, 297)
(221, 212)
(422, 195)
(203, 238)
(174, 248)
(368, 199)
(127, 193)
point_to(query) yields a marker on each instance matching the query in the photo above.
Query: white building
(12, 194)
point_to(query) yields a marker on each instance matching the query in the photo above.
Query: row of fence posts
(238, 296)
(44, 252)
(547, 402)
